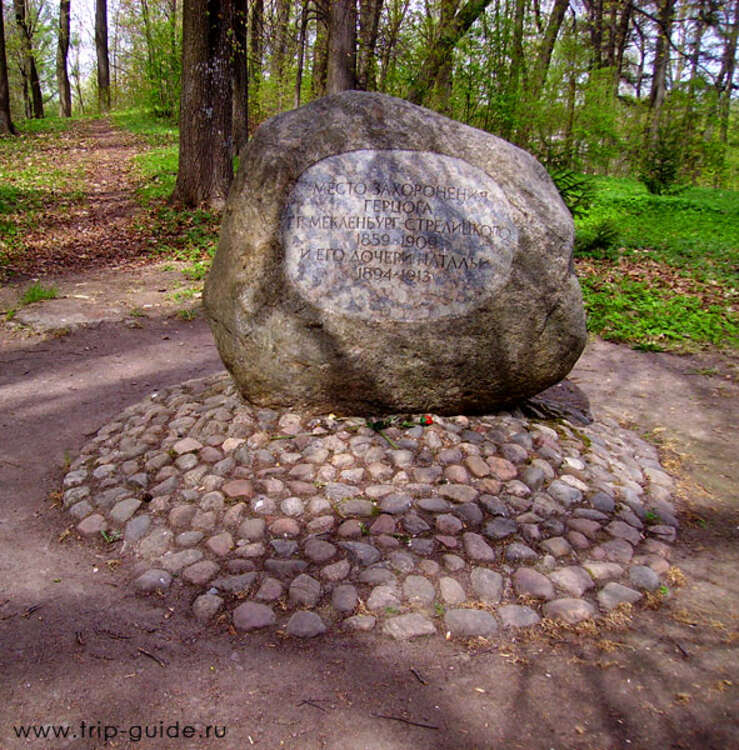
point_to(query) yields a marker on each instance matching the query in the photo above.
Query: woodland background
(609, 87)
(630, 104)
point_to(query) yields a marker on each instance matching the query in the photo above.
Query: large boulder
(378, 257)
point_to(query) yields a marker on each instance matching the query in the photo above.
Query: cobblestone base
(461, 526)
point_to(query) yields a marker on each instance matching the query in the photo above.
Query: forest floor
(77, 644)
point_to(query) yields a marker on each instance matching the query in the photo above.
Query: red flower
(426, 419)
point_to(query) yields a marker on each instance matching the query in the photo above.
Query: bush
(598, 239)
(660, 168)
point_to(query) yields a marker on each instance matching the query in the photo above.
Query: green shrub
(577, 190)
(598, 239)
(660, 168)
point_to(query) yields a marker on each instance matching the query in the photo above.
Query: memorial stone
(378, 257)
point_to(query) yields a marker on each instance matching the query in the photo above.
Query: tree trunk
(547, 46)
(541, 68)
(443, 89)
(101, 49)
(205, 168)
(76, 76)
(240, 77)
(320, 58)
(301, 53)
(642, 47)
(150, 51)
(569, 134)
(6, 122)
(342, 46)
(661, 62)
(30, 73)
(62, 51)
(595, 21)
(256, 54)
(279, 53)
(440, 52)
(726, 75)
(397, 13)
(369, 23)
(517, 57)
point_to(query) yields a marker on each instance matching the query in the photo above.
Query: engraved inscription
(397, 235)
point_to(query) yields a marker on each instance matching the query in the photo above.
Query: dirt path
(667, 682)
(88, 219)
(77, 645)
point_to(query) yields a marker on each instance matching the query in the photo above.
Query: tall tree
(320, 49)
(518, 67)
(62, 51)
(658, 91)
(725, 81)
(397, 11)
(205, 167)
(256, 54)
(342, 46)
(279, 38)
(101, 49)
(29, 69)
(369, 24)
(303, 29)
(6, 122)
(442, 47)
(540, 68)
(240, 77)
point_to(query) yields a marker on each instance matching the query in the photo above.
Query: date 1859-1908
(376, 239)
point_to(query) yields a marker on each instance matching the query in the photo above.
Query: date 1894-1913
(408, 275)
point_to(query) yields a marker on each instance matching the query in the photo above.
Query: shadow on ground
(93, 651)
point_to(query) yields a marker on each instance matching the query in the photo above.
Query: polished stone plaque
(397, 235)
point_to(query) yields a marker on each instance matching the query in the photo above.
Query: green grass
(632, 312)
(154, 130)
(37, 292)
(179, 233)
(676, 286)
(696, 230)
(34, 176)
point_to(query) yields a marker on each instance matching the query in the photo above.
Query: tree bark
(301, 53)
(101, 49)
(76, 77)
(661, 62)
(256, 54)
(62, 51)
(569, 134)
(30, 72)
(396, 15)
(320, 56)
(443, 86)
(240, 77)
(595, 8)
(205, 167)
(281, 33)
(726, 75)
(342, 46)
(541, 68)
(620, 40)
(438, 54)
(6, 121)
(547, 46)
(369, 24)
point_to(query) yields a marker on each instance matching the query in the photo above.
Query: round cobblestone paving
(454, 525)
